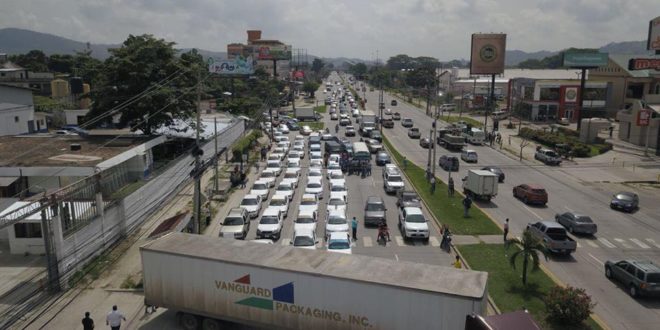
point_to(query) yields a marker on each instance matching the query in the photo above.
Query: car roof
(236, 211)
(645, 265)
(375, 199)
(534, 186)
(551, 224)
(303, 231)
(251, 196)
(336, 235)
(308, 213)
(271, 211)
(413, 210)
(279, 197)
(337, 212)
(261, 181)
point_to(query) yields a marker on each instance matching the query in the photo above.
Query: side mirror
(291, 243)
(316, 242)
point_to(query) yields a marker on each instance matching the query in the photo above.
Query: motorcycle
(446, 243)
(383, 235)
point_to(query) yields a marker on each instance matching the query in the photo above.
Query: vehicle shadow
(560, 257)
(485, 204)
(648, 302)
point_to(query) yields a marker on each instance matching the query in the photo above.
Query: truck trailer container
(274, 286)
(480, 184)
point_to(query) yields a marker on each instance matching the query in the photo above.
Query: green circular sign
(488, 53)
(571, 94)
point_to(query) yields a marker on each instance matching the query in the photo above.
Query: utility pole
(490, 102)
(381, 105)
(197, 198)
(215, 140)
(435, 132)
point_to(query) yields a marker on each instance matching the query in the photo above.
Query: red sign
(643, 117)
(644, 64)
(299, 74)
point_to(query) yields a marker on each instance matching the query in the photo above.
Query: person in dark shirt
(87, 322)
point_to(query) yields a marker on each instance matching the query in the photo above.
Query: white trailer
(274, 286)
(480, 184)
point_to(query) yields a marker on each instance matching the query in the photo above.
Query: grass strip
(448, 210)
(453, 119)
(314, 125)
(505, 284)
(321, 108)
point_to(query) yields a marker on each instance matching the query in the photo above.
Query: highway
(570, 188)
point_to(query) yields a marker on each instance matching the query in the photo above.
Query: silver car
(577, 223)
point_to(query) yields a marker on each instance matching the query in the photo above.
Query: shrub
(244, 144)
(581, 150)
(568, 305)
(603, 148)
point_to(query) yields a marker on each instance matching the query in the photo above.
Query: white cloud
(352, 28)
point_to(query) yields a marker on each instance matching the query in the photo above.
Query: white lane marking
(578, 244)
(399, 241)
(652, 241)
(600, 262)
(532, 212)
(568, 208)
(373, 183)
(367, 241)
(640, 244)
(623, 243)
(434, 241)
(285, 241)
(396, 256)
(592, 243)
(606, 243)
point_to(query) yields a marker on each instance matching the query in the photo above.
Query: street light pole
(381, 105)
(197, 205)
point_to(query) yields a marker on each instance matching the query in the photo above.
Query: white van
(499, 115)
(447, 107)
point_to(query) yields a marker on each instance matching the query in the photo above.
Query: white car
(279, 150)
(299, 138)
(314, 147)
(339, 189)
(388, 111)
(316, 164)
(413, 224)
(305, 239)
(326, 136)
(284, 129)
(469, 156)
(315, 155)
(337, 203)
(285, 189)
(339, 242)
(269, 176)
(252, 204)
(281, 203)
(334, 169)
(334, 158)
(293, 154)
(270, 224)
(277, 133)
(284, 145)
(392, 178)
(344, 116)
(335, 221)
(305, 130)
(278, 157)
(275, 166)
(293, 163)
(309, 203)
(261, 188)
(356, 113)
(292, 175)
(314, 186)
(305, 219)
(335, 175)
(315, 174)
(300, 150)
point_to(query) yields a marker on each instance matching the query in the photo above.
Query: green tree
(310, 87)
(142, 63)
(34, 60)
(358, 70)
(530, 247)
(317, 65)
(400, 62)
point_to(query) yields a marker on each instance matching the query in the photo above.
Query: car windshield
(314, 185)
(334, 167)
(624, 197)
(249, 201)
(538, 191)
(415, 218)
(291, 175)
(337, 176)
(394, 178)
(268, 220)
(409, 197)
(653, 277)
(551, 153)
(303, 241)
(583, 218)
(260, 186)
(336, 201)
(338, 245)
(338, 188)
(273, 165)
(278, 202)
(375, 207)
(315, 174)
(284, 187)
(305, 220)
(308, 202)
(233, 221)
(267, 174)
(335, 220)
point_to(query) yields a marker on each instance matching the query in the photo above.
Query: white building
(16, 110)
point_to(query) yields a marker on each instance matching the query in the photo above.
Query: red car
(531, 194)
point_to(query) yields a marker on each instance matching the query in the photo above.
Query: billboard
(585, 60)
(653, 42)
(237, 66)
(487, 55)
(644, 64)
(272, 52)
(643, 117)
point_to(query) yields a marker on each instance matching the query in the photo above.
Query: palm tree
(530, 247)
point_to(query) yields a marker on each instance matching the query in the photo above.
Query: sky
(343, 28)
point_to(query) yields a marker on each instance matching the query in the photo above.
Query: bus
(360, 151)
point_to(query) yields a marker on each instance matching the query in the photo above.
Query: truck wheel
(189, 321)
(210, 324)
(633, 291)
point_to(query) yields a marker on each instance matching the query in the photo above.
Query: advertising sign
(585, 60)
(487, 55)
(570, 94)
(644, 64)
(653, 42)
(236, 66)
(273, 52)
(643, 117)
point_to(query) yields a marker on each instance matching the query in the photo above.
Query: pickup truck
(553, 236)
(408, 198)
(547, 156)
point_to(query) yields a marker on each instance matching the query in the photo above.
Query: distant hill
(513, 57)
(626, 47)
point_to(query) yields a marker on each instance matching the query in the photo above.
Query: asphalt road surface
(570, 188)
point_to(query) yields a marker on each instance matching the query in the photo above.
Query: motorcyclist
(383, 232)
(337, 128)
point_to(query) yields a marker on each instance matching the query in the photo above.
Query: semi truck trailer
(206, 279)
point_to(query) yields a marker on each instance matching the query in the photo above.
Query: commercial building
(270, 54)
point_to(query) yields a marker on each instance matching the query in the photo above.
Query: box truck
(480, 184)
(274, 286)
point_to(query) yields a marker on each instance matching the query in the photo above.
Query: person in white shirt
(114, 318)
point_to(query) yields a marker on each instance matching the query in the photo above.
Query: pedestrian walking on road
(114, 318)
(405, 163)
(243, 179)
(506, 229)
(264, 151)
(457, 263)
(432, 185)
(354, 225)
(467, 203)
(450, 186)
(368, 168)
(87, 322)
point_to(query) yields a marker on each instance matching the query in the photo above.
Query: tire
(633, 291)
(608, 272)
(571, 230)
(210, 324)
(525, 200)
(190, 321)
